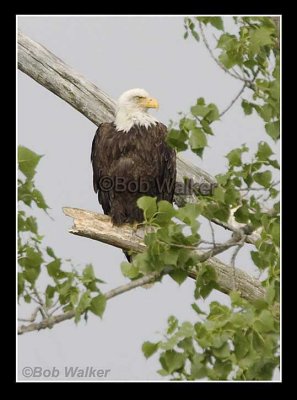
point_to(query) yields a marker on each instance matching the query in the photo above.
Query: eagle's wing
(167, 165)
(100, 164)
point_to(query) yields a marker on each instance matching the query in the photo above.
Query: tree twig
(232, 262)
(233, 101)
(99, 227)
(212, 233)
(53, 320)
(33, 316)
(214, 57)
(53, 74)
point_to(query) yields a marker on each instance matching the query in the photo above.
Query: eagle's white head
(132, 110)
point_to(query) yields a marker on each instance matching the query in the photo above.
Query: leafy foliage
(239, 342)
(193, 130)
(66, 287)
(236, 342)
(251, 54)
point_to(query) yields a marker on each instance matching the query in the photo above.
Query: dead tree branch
(99, 227)
(53, 74)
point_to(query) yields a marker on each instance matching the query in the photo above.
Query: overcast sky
(117, 53)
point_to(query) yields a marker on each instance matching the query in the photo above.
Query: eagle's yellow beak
(150, 103)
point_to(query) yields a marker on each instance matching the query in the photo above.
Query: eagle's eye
(139, 97)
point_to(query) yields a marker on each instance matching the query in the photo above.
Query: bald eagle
(130, 159)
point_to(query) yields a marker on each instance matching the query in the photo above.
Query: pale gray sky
(117, 53)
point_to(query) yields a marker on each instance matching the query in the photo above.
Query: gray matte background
(118, 53)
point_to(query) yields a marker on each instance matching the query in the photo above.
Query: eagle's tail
(129, 258)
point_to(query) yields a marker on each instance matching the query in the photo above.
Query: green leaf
(188, 215)
(165, 213)
(241, 346)
(98, 305)
(217, 22)
(198, 369)
(219, 194)
(213, 113)
(53, 268)
(222, 179)
(234, 157)
(266, 112)
(205, 125)
(149, 348)
(163, 372)
(195, 35)
(177, 139)
(270, 295)
(199, 110)
(275, 233)
(172, 360)
(172, 324)
(197, 139)
(247, 107)
(21, 283)
(272, 128)
(129, 270)
(33, 259)
(222, 368)
(74, 294)
(187, 329)
(264, 151)
(258, 260)
(170, 257)
(222, 352)
(27, 298)
(39, 199)
(260, 37)
(148, 205)
(265, 322)
(50, 291)
(31, 274)
(88, 273)
(187, 345)
(197, 309)
(28, 161)
(50, 252)
(227, 60)
(179, 276)
(83, 304)
(31, 225)
(188, 124)
(231, 196)
(263, 178)
(226, 41)
(220, 211)
(242, 214)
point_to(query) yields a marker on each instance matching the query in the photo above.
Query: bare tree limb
(99, 227)
(49, 322)
(236, 76)
(53, 74)
(33, 316)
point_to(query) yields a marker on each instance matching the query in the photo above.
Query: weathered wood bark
(52, 73)
(99, 227)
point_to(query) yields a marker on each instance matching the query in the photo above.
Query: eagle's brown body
(140, 156)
